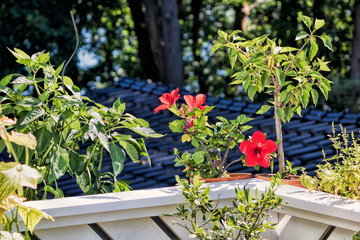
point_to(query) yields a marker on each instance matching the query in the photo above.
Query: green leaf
(58, 70)
(222, 34)
(32, 115)
(103, 138)
(118, 157)
(307, 21)
(301, 35)
(43, 58)
(29, 102)
(305, 97)
(313, 48)
(59, 163)
(327, 42)
(77, 162)
(32, 216)
(314, 96)
(19, 53)
(281, 114)
(288, 49)
(232, 57)
(4, 82)
(242, 119)
(324, 89)
(198, 157)
(216, 47)
(130, 150)
(265, 79)
(177, 126)
(21, 175)
(23, 80)
(319, 23)
(251, 92)
(43, 137)
(263, 109)
(146, 132)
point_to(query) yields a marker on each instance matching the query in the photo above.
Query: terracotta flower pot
(232, 177)
(292, 180)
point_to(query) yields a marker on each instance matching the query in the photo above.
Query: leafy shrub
(245, 220)
(64, 122)
(340, 174)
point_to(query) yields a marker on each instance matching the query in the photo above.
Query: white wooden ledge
(127, 215)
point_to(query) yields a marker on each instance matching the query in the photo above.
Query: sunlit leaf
(306, 20)
(32, 216)
(22, 175)
(301, 35)
(32, 115)
(319, 23)
(118, 157)
(327, 42)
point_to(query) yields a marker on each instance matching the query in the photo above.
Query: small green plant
(13, 178)
(246, 219)
(340, 174)
(64, 122)
(356, 236)
(289, 76)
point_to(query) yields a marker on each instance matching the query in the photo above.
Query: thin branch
(75, 50)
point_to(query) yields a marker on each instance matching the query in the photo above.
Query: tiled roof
(304, 138)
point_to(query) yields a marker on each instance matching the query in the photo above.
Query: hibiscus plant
(289, 76)
(212, 142)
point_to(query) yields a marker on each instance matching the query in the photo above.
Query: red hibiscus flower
(257, 151)
(167, 100)
(195, 102)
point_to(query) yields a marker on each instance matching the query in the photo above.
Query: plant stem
(278, 126)
(26, 156)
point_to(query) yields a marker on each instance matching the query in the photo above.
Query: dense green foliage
(64, 122)
(245, 219)
(108, 31)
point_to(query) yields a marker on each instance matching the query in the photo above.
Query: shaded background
(169, 41)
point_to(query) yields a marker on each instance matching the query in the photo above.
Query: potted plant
(64, 123)
(203, 218)
(340, 174)
(212, 142)
(289, 76)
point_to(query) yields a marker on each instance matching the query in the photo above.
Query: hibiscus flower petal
(258, 137)
(269, 147)
(161, 107)
(200, 100)
(251, 160)
(190, 102)
(247, 147)
(264, 161)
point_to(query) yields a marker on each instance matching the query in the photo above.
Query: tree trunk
(152, 16)
(145, 53)
(242, 13)
(174, 74)
(355, 53)
(197, 68)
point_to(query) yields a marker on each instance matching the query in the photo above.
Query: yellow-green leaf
(319, 23)
(185, 138)
(32, 216)
(22, 175)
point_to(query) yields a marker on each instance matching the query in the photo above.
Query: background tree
(168, 41)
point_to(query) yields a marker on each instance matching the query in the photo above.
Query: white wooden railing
(138, 215)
